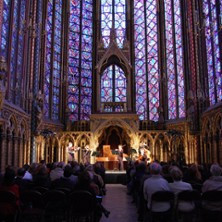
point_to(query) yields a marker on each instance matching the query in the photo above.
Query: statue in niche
(191, 110)
(3, 71)
(39, 108)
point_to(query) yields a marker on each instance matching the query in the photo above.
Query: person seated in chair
(153, 184)
(213, 183)
(178, 185)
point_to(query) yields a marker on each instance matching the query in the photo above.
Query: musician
(142, 154)
(145, 154)
(86, 155)
(120, 157)
(71, 151)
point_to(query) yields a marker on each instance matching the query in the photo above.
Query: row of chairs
(53, 205)
(198, 213)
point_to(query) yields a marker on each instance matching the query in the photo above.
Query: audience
(153, 184)
(143, 181)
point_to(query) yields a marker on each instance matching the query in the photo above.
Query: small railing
(110, 107)
(81, 125)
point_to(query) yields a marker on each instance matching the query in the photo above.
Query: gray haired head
(155, 168)
(215, 170)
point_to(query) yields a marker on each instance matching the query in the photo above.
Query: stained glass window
(212, 19)
(174, 59)
(146, 59)
(5, 28)
(80, 59)
(13, 24)
(53, 59)
(113, 14)
(113, 85)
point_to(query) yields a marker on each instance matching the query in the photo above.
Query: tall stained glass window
(80, 59)
(146, 59)
(113, 85)
(213, 20)
(5, 28)
(53, 59)
(13, 27)
(174, 59)
(113, 14)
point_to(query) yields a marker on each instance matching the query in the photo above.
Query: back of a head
(155, 168)
(216, 170)
(9, 176)
(67, 171)
(21, 172)
(176, 173)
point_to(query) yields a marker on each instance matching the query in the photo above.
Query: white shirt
(27, 176)
(152, 185)
(177, 187)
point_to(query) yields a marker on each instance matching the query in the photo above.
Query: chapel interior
(99, 74)
(110, 72)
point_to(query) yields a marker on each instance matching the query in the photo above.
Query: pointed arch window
(213, 21)
(52, 86)
(113, 15)
(113, 85)
(80, 59)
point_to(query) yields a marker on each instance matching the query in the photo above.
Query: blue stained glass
(14, 42)
(113, 85)
(5, 28)
(213, 50)
(80, 60)
(48, 69)
(53, 59)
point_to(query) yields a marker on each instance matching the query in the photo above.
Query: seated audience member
(86, 183)
(213, 183)
(178, 185)
(193, 175)
(67, 181)
(152, 185)
(23, 184)
(40, 176)
(8, 184)
(57, 172)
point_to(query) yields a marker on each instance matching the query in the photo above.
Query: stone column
(9, 149)
(20, 154)
(3, 151)
(15, 161)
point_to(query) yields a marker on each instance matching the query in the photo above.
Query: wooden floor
(119, 204)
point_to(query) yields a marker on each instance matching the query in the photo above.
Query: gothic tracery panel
(214, 64)
(146, 59)
(80, 59)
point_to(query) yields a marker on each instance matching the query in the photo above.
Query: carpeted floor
(119, 204)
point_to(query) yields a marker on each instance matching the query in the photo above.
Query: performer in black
(86, 155)
(120, 157)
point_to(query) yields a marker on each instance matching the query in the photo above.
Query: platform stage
(115, 177)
